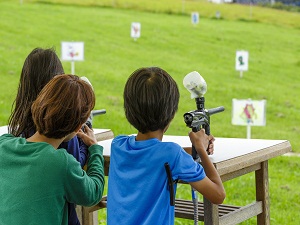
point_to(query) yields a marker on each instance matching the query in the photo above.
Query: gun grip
(207, 131)
(194, 153)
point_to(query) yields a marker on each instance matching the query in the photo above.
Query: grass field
(170, 41)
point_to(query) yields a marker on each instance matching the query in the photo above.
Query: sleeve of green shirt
(86, 188)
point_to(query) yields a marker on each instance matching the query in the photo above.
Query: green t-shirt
(37, 180)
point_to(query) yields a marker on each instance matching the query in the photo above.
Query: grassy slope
(170, 41)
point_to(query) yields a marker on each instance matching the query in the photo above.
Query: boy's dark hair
(40, 66)
(151, 99)
(62, 106)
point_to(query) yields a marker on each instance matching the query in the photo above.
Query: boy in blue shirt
(138, 190)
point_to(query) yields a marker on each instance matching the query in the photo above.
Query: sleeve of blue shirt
(187, 169)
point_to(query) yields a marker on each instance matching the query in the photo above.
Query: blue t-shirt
(138, 190)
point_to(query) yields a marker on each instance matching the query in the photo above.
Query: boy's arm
(211, 187)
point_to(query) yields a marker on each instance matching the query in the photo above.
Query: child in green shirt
(37, 179)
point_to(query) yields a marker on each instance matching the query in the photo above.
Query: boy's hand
(87, 136)
(210, 149)
(202, 142)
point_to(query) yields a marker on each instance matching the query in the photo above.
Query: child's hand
(202, 142)
(87, 136)
(210, 149)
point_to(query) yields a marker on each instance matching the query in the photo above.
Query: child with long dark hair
(40, 66)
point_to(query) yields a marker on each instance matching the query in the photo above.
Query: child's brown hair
(63, 105)
(151, 99)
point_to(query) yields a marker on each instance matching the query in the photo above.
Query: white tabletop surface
(99, 130)
(225, 148)
(3, 130)
(228, 148)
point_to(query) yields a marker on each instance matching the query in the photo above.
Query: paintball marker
(199, 118)
(89, 121)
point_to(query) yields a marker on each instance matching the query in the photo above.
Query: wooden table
(233, 157)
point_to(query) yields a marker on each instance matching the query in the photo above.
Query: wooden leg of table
(89, 218)
(79, 213)
(211, 213)
(262, 193)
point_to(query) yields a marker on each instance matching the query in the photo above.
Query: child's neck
(37, 137)
(152, 134)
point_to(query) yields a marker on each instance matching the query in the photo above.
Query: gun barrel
(98, 112)
(215, 110)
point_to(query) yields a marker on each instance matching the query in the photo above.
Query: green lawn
(169, 40)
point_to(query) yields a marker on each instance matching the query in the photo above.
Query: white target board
(241, 60)
(72, 51)
(248, 112)
(135, 30)
(195, 18)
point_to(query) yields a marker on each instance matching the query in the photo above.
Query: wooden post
(211, 213)
(262, 193)
(89, 218)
